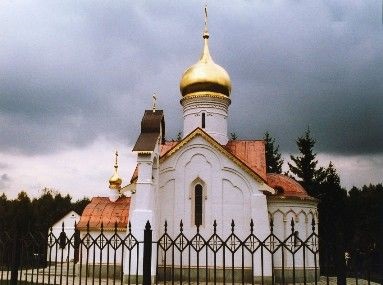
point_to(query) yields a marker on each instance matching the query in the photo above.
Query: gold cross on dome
(206, 17)
(154, 99)
(116, 159)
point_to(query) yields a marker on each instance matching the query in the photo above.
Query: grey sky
(72, 72)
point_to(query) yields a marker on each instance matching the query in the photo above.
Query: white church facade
(203, 179)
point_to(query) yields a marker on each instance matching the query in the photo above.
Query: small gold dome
(205, 75)
(115, 181)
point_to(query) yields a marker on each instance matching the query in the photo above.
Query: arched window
(198, 205)
(203, 120)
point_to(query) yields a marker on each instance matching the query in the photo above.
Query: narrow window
(198, 205)
(203, 120)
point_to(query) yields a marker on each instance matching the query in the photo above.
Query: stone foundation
(299, 275)
(227, 275)
(211, 275)
(99, 270)
(204, 274)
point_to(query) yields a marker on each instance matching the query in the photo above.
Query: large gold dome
(205, 76)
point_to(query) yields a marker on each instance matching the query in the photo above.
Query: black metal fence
(110, 257)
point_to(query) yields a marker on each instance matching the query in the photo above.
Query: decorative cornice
(205, 94)
(144, 152)
(282, 198)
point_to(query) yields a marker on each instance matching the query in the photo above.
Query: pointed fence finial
(232, 226)
(62, 239)
(313, 224)
(166, 226)
(292, 225)
(271, 225)
(130, 227)
(181, 226)
(215, 226)
(50, 235)
(62, 227)
(147, 226)
(251, 226)
(115, 227)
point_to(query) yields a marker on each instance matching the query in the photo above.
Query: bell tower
(205, 89)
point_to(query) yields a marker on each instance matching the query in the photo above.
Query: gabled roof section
(72, 214)
(217, 146)
(151, 125)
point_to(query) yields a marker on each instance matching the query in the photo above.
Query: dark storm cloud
(319, 66)
(61, 85)
(71, 71)
(4, 180)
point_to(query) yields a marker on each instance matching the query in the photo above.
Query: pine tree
(305, 164)
(331, 176)
(273, 156)
(332, 210)
(233, 136)
(179, 136)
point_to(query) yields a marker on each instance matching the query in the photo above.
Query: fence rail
(112, 257)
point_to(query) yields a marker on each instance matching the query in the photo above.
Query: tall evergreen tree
(274, 159)
(332, 209)
(305, 164)
(331, 197)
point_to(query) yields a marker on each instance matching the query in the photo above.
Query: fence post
(147, 260)
(340, 260)
(15, 258)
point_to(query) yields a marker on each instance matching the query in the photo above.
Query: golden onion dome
(205, 75)
(115, 181)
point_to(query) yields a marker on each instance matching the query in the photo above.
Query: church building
(203, 178)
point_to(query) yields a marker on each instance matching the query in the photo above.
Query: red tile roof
(286, 186)
(167, 146)
(102, 210)
(251, 152)
(134, 175)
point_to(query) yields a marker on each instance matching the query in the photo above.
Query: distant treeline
(362, 222)
(38, 214)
